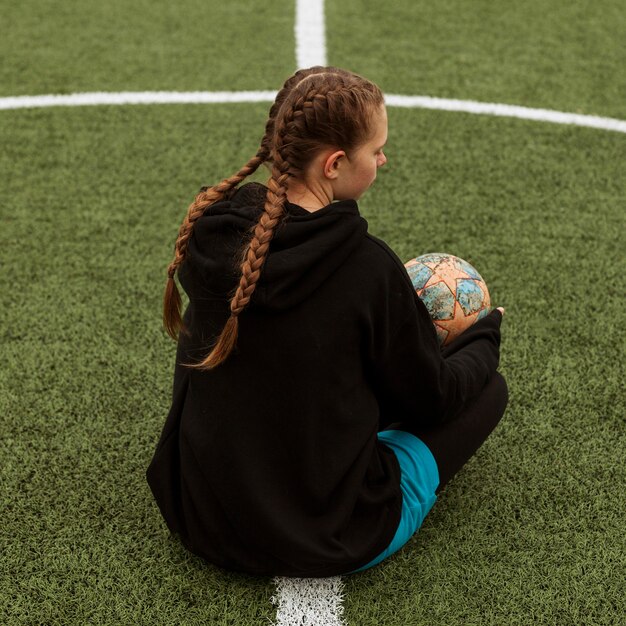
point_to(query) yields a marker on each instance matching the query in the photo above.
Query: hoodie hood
(307, 248)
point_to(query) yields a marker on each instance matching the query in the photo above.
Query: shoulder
(378, 248)
(383, 260)
(381, 277)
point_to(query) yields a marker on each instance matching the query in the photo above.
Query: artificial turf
(531, 530)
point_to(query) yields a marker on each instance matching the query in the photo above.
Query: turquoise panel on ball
(439, 301)
(470, 295)
(419, 275)
(470, 270)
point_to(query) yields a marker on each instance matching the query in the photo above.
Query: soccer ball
(454, 293)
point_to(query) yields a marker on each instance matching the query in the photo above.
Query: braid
(254, 254)
(209, 195)
(258, 248)
(172, 302)
(203, 200)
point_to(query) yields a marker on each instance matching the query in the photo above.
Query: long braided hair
(316, 108)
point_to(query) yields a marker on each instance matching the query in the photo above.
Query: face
(358, 172)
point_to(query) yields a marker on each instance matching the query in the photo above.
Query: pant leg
(455, 442)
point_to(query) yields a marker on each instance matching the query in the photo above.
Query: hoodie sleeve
(414, 380)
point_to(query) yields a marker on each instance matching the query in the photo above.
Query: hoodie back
(270, 463)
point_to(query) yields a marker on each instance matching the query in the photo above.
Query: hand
(501, 309)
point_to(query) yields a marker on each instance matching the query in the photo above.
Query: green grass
(55, 46)
(530, 532)
(560, 55)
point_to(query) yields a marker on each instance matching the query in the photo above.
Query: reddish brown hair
(316, 108)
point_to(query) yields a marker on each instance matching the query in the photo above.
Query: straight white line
(219, 97)
(309, 601)
(310, 33)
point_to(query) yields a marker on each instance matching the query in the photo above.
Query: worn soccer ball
(454, 293)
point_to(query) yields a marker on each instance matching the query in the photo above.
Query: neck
(311, 198)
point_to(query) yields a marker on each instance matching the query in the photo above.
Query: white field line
(507, 110)
(310, 33)
(309, 601)
(136, 97)
(220, 97)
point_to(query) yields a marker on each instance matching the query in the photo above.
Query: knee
(500, 391)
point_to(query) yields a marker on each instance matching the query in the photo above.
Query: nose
(382, 159)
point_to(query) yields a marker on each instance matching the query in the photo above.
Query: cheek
(368, 175)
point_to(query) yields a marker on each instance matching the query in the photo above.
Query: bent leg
(441, 451)
(455, 442)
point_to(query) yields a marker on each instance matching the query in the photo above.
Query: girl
(314, 417)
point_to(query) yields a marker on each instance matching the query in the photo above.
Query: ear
(332, 163)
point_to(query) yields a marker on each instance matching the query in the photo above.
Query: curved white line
(507, 110)
(218, 97)
(136, 97)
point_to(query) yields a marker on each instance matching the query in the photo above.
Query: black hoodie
(270, 463)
